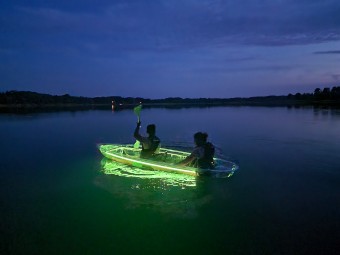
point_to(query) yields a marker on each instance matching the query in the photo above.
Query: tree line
(28, 98)
(319, 94)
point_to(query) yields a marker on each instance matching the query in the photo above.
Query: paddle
(137, 111)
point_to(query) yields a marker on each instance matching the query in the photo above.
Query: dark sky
(169, 48)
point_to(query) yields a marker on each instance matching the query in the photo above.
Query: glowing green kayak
(164, 160)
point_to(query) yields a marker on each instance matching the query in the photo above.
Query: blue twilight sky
(169, 48)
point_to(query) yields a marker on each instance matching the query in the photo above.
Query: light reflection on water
(164, 179)
(170, 194)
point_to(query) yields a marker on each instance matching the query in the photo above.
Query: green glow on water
(137, 164)
(111, 167)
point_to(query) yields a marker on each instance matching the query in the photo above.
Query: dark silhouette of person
(150, 143)
(202, 156)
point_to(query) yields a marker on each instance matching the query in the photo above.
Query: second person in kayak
(202, 156)
(151, 143)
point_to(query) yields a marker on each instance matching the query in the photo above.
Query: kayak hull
(165, 160)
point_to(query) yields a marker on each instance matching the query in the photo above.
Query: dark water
(55, 198)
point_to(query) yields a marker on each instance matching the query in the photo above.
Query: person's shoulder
(197, 151)
(210, 144)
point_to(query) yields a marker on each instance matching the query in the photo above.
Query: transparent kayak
(164, 160)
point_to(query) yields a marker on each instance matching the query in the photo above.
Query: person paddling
(202, 156)
(151, 143)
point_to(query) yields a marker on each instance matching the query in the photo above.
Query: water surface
(56, 198)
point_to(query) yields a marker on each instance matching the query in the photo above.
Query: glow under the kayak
(155, 179)
(143, 163)
(127, 155)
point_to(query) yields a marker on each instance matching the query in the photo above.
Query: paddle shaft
(137, 111)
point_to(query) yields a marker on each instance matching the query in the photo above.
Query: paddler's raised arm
(136, 133)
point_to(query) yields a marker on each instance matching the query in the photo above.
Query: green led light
(164, 161)
(136, 164)
(160, 179)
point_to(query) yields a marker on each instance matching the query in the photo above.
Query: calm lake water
(58, 196)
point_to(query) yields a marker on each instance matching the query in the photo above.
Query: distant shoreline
(60, 107)
(14, 101)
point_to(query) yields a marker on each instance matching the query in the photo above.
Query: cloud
(176, 25)
(268, 23)
(246, 69)
(328, 52)
(336, 77)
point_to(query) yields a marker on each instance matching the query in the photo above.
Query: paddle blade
(136, 145)
(137, 110)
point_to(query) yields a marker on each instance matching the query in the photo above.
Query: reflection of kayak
(164, 160)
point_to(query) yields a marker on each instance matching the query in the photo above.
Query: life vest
(207, 161)
(154, 143)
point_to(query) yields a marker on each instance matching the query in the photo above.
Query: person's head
(151, 129)
(200, 138)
